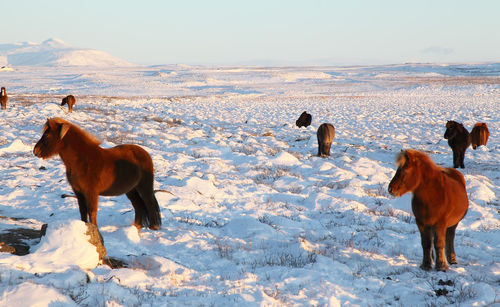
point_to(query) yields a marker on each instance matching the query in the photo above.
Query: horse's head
(452, 128)
(407, 175)
(3, 91)
(50, 143)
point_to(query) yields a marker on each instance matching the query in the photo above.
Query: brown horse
(458, 139)
(304, 120)
(479, 135)
(4, 98)
(439, 202)
(70, 100)
(325, 134)
(92, 171)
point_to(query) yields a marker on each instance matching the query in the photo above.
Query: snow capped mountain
(55, 52)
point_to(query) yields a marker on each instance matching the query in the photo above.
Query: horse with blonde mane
(439, 203)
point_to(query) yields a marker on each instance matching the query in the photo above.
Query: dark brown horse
(92, 171)
(304, 120)
(439, 202)
(479, 135)
(325, 134)
(4, 98)
(458, 139)
(70, 101)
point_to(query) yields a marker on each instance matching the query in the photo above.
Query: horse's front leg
(93, 199)
(439, 242)
(461, 158)
(426, 238)
(83, 205)
(456, 163)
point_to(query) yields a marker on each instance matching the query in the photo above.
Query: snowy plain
(253, 216)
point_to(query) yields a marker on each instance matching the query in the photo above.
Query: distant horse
(479, 135)
(304, 120)
(92, 171)
(70, 100)
(458, 139)
(325, 134)
(439, 203)
(4, 98)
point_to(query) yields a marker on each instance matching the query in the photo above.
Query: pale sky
(265, 32)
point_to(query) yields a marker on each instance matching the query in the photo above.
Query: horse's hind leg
(450, 245)
(139, 208)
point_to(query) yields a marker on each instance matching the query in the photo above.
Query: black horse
(458, 139)
(304, 120)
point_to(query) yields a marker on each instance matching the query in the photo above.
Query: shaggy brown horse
(4, 98)
(439, 202)
(479, 135)
(70, 100)
(304, 120)
(458, 139)
(92, 171)
(325, 134)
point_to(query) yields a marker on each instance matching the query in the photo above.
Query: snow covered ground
(252, 216)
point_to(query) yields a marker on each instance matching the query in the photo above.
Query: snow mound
(15, 147)
(285, 159)
(32, 294)
(55, 52)
(65, 246)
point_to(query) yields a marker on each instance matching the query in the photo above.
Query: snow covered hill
(55, 52)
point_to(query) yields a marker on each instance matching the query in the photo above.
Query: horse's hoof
(442, 267)
(426, 266)
(452, 260)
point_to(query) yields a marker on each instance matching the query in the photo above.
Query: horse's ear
(401, 158)
(64, 130)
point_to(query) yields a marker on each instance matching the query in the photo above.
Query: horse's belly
(118, 189)
(125, 177)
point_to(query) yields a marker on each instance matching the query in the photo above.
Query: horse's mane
(77, 130)
(412, 154)
(456, 125)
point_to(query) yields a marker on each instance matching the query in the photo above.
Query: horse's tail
(153, 213)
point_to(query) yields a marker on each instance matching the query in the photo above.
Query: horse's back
(134, 153)
(326, 133)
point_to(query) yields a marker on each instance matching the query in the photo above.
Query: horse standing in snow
(479, 135)
(3, 98)
(70, 101)
(325, 134)
(458, 139)
(92, 171)
(439, 203)
(304, 120)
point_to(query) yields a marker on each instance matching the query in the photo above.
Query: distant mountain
(55, 52)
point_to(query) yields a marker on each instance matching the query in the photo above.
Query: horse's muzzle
(392, 191)
(37, 152)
